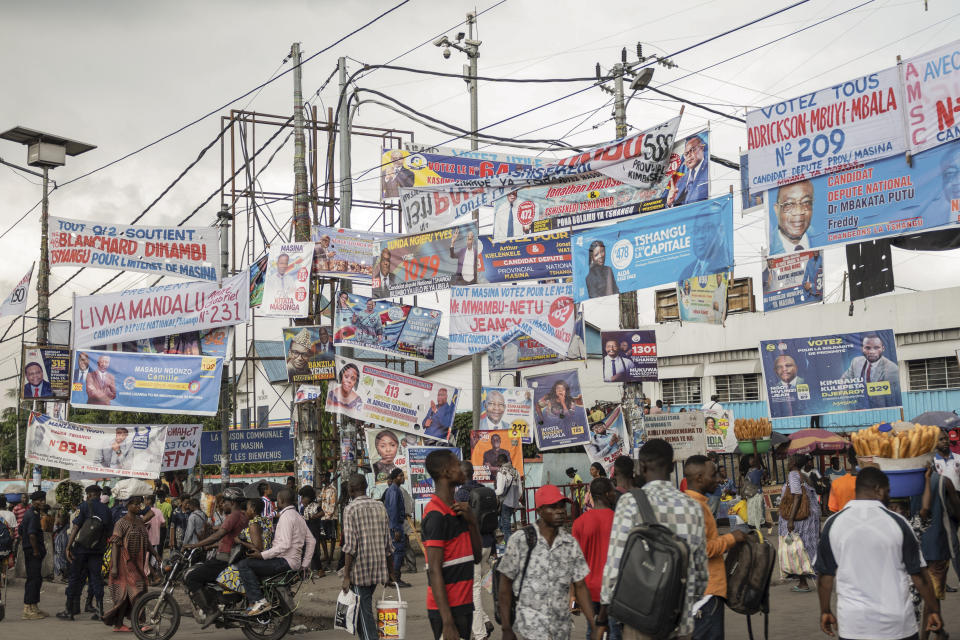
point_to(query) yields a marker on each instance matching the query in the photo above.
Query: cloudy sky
(122, 75)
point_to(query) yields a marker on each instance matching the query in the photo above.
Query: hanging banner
(826, 131)
(485, 450)
(539, 257)
(558, 405)
(46, 373)
(133, 314)
(885, 198)
(133, 451)
(703, 298)
(426, 262)
(384, 326)
(747, 201)
(831, 374)
(190, 252)
(248, 445)
(523, 351)
(258, 271)
(308, 352)
(15, 304)
(932, 94)
(608, 439)
(151, 383)
(509, 408)
(287, 281)
(483, 315)
(693, 240)
(685, 431)
(344, 253)
(209, 342)
(793, 280)
(420, 480)
(181, 446)
(309, 392)
(392, 399)
(629, 355)
(387, 449)
(718, 430)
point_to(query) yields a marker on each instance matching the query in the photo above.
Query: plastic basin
(746, 446)
(906, 482)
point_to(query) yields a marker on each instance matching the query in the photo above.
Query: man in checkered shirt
(675, 510)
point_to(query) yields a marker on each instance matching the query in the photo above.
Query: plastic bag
(793, 557)
(345, 617)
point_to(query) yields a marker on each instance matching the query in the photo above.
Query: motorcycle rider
(225, 539)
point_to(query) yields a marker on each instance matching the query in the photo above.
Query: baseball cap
(549, 494)
(954, 436)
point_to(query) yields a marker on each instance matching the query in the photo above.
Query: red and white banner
(286, 287)
(931, 83)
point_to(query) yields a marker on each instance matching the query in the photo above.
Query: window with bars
(740, 387)
(681, 391)
(934, 373)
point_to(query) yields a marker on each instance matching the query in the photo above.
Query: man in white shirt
(946, 462)
(466, 259)
(713, 404)
(616, 368)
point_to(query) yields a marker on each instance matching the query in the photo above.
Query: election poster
(509, 408)
(885, 198)
(209, 342)
(486, 447)
(189, 252)
(133, 314)
(309, 393)
(181, 445)
(718, 429)
(286, 285)
(831, 373)
(392, 399)
(248, 445)
(345, 253)
(133, 451)
(540, 257)
(420, 480)
(748, 200)
(792, 280)
(427, 262)
(558, 407)
(258, 271)
(684, 431)
(485, 315)
(629, 355)
(608, 438)
(15, 304)
(932, 95)
(388, 449)
(692, 240)
(833, 129)
(147, 382)
(46, 373)
(308, 353)
(523, 351)
(384, 326)
(703, 298)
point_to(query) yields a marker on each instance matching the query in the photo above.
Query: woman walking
(128, 579)
(802, 501)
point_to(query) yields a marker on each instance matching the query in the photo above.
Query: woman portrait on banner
(387, 446)
(600, 281)
(559, 406)
(343, 398)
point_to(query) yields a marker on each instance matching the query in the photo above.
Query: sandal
(122, 628)
(798, 589)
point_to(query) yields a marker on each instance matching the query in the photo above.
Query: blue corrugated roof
(276, 370)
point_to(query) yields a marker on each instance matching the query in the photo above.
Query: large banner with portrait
(389, 398)
(422, 488)
(181, 445)
(148, 382)
(486, 447)
(286, 285)
(629, 355)
(831, 373)
(345, 253)
(46, 373)
(189, 252)
(684, 431)
(558, 408)
(718, 430)
(388, 449)
(792, 280)
(133, 451)
(308, 353)
(884, 198)
(539, 257)
(426, 261)
(669, 246)
(608, 438)
(509, 408)
(931, 89)
(830, 130)
(703, 298)
(384, 326)
(523, 351)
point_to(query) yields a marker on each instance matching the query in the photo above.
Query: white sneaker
(258, 607)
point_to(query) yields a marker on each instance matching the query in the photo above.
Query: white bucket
(391, 617)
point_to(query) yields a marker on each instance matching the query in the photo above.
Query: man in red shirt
(452, 538)
(592, 531)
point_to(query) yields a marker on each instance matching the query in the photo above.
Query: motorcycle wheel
(272, 625)
(161, 627)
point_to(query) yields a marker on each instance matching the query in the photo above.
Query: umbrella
(815, 440)
(251, 491)
(777, 438)
(942, 419)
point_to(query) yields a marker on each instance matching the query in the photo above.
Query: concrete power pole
(43, 276)
(347, 427)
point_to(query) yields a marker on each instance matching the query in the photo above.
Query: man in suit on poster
(872, 366)
(694, 185)
(616, 367)
(79, 394)
(793, 211)
(36, 386)
(467, 259)
(101, 386)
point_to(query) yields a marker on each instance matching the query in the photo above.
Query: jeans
(614, 628)
(250, 570)
(201, 574)
(86, 565)
(708, 621)
(480, 617)
(506, 522)
(399, 550)
(34, 567)
(366, 622)
(462, 618)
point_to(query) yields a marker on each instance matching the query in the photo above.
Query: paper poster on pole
(429, 261)
(15, 304)
(629, 355)
(558, 406)
(486, 447)
(931, 89)
(384, 326)
(792, 280)
(420, 481)
(718, 430)
(387, 449)
(608, 438)
(685, 431)
(509, 408)
(703, 298)
(46, 373)
(345, 253)
(286, 286)
(308, 353)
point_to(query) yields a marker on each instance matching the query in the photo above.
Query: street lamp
(46, 151)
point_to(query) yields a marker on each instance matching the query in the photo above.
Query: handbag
(793, 557)
(345, 617)
(786, 504)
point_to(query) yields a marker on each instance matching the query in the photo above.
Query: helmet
(233, 494)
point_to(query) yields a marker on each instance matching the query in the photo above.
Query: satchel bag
(787, 502)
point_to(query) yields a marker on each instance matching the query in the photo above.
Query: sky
(121, 75)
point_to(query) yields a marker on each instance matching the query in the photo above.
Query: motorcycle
(156, 614)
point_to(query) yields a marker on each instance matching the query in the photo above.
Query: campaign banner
(885, 198)
(286, 285)
(15, 304)
(190, 252)
(248, 445)
(685, 431)
(509, 408)
(392, 399)
(345, 253)
(629, 355)
(209, 342)
(147, 382)
(308, 353)
(608, 439)
(692, 240)
(485, 450)
(523, 351)
(258, 271)
(46, 373)
(829, 130)
(558, 405)
(482, 316)
(308, 393)
(747, 200)
(430, 261)
(133, 451)
(181, 446)
(703, 298)
(133, 314)
(387, 449)
(792, 280)
(718, 430)
(540, 257)
(932, 95)
(384, 326)
(420, 480)
(831, 373)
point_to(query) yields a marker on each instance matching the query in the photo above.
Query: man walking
(397, 515)
(482, 626)
(86, 553)
(328, 518)
(508, 490)
(592, 532)
(623, 473)
(367, 552)
(34, 550)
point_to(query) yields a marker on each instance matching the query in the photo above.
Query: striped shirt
(269, 511)
(444, 529)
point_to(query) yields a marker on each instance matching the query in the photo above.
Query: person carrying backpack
(85, 548)
(482, 626)
(508, 490)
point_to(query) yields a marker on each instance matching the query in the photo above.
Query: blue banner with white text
(248, 445)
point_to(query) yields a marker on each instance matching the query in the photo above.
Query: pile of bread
(909, 443)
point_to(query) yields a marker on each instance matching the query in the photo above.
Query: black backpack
(749, 568)
(531, 535)
(652, 586)
(90, 534)
(6, 539)
(486, 509)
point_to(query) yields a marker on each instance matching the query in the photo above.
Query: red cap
(954, 435)
(549, 494)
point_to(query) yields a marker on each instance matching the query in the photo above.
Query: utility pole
(43, 276)
(347, 427)
(223, 216)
